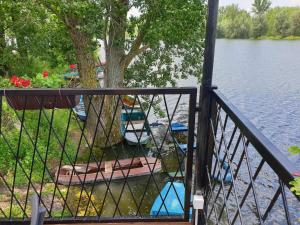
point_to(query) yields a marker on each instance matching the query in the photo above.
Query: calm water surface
(262, 78)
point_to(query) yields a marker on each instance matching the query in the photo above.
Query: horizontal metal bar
(281, 165)
(79, 220)
(99, 91)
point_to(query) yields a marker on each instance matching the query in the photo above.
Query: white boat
(136, 138)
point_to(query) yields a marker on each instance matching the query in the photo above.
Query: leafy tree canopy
(261, 6)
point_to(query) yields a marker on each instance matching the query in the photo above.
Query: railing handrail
(283, 167)
(96, 91)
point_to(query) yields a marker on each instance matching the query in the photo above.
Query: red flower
(19, 81)
(14, 80)
(73, 66)
(25, 83)
(45, 73)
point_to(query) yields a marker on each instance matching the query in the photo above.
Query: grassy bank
(290, 38)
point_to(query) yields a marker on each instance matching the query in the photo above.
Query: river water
(262, 79)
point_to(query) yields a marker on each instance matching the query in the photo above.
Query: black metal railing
(68, 153)
(247, 177)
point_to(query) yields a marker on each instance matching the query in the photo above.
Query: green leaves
(294, 150)
(259, 7)
(296, 186)
(233, 23)
(277, 22)
(296, 183)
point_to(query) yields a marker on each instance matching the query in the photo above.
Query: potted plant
(32, 102)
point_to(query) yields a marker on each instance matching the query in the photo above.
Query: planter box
(48, 102)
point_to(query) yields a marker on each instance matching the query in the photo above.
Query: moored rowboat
(90, 173)
(136, 138)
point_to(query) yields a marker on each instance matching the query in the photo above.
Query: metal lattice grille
(248, 175)
(50, 151)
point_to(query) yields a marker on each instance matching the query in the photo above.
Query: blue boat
(183, 147)
(178, 127)
(227, 179)
(133, 115)
(74, 74)
(173, 205)
(80, 109)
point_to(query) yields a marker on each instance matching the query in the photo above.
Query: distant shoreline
(273, 38)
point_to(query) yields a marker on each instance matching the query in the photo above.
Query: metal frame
(234, 137)
(40, 94)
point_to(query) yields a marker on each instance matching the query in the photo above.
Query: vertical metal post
(205, 98)
(189, 158)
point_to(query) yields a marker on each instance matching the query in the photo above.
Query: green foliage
(233, 23)
(259, 7)
(296, 186)
(174, 32)
(31, 150)
(31, 39)
(276, 23)
(294, 150)
(296, 183)
(52, 81)
(281, 24)
(260, 26)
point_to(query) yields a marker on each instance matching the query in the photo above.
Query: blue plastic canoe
(173, 203)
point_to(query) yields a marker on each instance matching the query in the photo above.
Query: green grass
(290, 38)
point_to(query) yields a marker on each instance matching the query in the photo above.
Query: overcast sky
(246, 4)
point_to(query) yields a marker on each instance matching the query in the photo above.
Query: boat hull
(106, 171)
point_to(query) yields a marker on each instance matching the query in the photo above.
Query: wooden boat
(134, 138)
(90, 173)
(129, 102)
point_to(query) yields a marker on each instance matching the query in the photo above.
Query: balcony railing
(68, 158)
(247, 177)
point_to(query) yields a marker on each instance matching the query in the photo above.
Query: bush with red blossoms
(20, 82)
(41, 80)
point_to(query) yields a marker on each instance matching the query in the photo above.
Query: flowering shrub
(19, 81)
(41, 80)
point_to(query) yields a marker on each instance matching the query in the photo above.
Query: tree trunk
(88, 79)
(114, 73)
(3, 67)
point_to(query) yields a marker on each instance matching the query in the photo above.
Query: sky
(246, 4)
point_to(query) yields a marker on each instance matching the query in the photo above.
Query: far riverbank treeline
(275, 23)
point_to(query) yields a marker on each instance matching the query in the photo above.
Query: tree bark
(115, 69)
(87, 72)
(3, 67)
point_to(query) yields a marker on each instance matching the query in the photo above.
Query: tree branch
(132, 54)
(136, 48)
